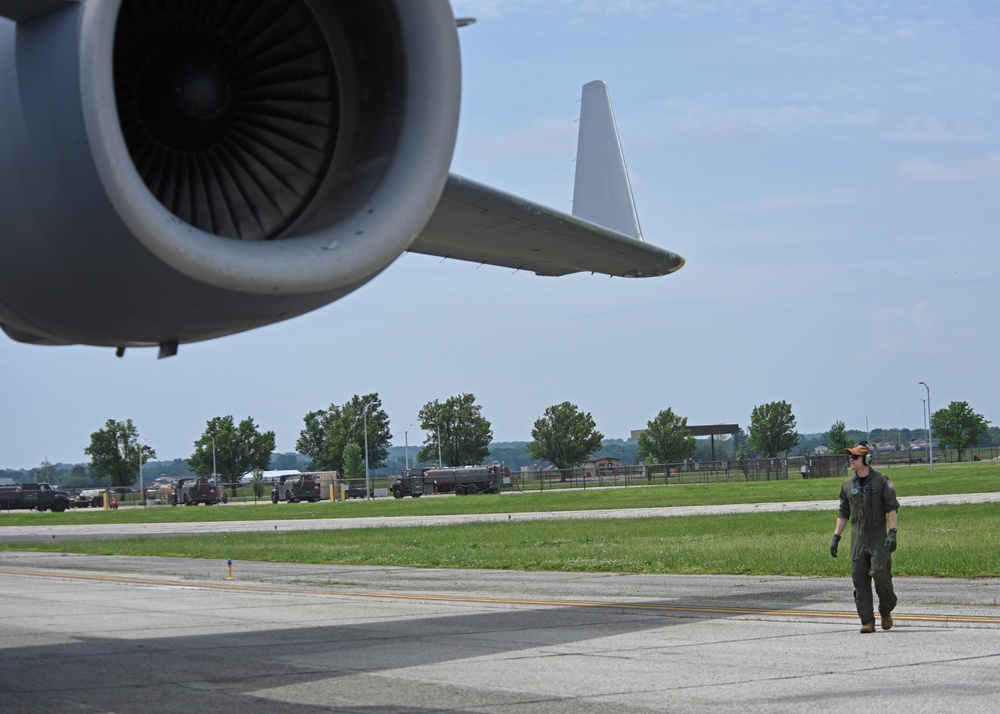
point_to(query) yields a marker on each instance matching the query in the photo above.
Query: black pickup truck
(40, 496)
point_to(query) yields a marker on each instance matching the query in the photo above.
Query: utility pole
(364, 415)
(930, 435)
(406, 446)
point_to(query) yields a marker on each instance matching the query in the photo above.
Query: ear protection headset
(870, 456)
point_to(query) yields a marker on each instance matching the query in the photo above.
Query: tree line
(346, 437)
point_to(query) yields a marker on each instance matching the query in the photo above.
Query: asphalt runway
(112, 634)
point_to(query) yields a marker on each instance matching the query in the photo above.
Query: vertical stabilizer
(602, 193)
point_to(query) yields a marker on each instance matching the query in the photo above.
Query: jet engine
(175, 171)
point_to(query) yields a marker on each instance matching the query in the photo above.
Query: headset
(870, 456)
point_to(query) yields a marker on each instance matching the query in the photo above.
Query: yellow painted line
(646, 607)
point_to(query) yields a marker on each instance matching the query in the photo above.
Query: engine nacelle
(173, 172)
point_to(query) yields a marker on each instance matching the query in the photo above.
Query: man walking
(868, 499)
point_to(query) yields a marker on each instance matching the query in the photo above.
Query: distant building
(270, 476)
(593, 468)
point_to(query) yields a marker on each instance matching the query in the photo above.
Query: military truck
(40, 496)
(294, 488)
(192, 491)
(90, 497)
(463, 480)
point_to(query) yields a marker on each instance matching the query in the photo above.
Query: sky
(829, 171)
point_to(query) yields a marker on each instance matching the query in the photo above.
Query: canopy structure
(704, 430)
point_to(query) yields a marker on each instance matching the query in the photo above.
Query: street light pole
(930, 435)
(406, 446)
(215, 473)
(364, 415)
(142, 489)
(923, 413)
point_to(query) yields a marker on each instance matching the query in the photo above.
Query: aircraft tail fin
(602, 193)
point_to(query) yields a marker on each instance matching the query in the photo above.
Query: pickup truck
(293, 489)
(194, 491)
(40, 496)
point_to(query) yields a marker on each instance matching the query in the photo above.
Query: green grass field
(952, 541)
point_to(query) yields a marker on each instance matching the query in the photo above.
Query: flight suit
(865, 502)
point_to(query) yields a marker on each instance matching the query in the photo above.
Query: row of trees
(344, 437)
(225, 448)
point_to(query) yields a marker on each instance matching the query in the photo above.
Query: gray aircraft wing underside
(477, 223)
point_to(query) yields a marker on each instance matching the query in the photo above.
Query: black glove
(890, 540)
(834, 544)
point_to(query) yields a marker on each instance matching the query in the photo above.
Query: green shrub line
(944, 541)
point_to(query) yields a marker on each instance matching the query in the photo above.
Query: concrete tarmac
(113, 634)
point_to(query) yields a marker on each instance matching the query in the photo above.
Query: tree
(115, 452)
(354, 465)
(238, 449)
(667, 439)
(257, 484)
(564, 436)
(958, 426)
(741, 457)
(772, 429)
(465, 434)
(284, 462)
(837, 438)
(79, 476)
(328, 431)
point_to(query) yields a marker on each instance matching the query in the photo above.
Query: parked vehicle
(294, 488)
(90, 498)
(192, 491)
(356, 489)
(463, 480)
(40, 496)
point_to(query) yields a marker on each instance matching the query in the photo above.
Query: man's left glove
(890, 540)
(834, 544)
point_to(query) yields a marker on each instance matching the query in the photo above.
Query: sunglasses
(852, 457)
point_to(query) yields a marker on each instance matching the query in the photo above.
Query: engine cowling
(174, 172)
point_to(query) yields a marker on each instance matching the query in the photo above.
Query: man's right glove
(890, 540)
(834, 544)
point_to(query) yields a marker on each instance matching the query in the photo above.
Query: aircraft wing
(175, 172)
(480, 224)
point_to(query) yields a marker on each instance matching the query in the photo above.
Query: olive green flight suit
(865, 502)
